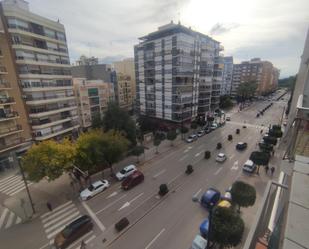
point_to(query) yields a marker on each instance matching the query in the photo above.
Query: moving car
(94, 189)
(241, 146)
(221, 157)
(210, 198)
(249, 166)
(125, 172)
(191, 138)
(200, 133)
(73, 231)
(132, 180)
(228, 118)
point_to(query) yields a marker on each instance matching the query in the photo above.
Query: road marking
(93, 216)
(174, 178)
(66, 219)
(198, 192)
(47, 244)
(112, 194)
(182, 158)
(128, 203)
(235, 166)
(197, 154)
(232, 156)
(10, 220)
(155, 238)
(78, 242)
(159, 173)
(111, 204)
(201, 146)
(3, 215)
(56, 209)
(218, 171)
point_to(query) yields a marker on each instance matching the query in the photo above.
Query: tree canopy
(225, 102)
(227, 227)
(260, 158)
(243, 194)
(246, 90)
(48, 159)
(171, 136)
(96, 121)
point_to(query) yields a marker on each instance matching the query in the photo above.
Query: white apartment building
(226, 85)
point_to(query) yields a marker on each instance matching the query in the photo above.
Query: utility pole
(26, 184)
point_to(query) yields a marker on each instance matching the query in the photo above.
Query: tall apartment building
(227, 75)
(178, 73)
(92, 98)
(263, 73)
(35, 66)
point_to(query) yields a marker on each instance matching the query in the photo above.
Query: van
(73, 231)
(199, 242)
(134, 179)
(249, 166)
(210, 198)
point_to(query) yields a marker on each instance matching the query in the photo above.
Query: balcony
(4, 84)
(48, 100)
(40, 49)
(8, 145)
(50, 111)
(7, 131)
(53, 121)
(1, 54)
(9, 116)
(7, 101)
(34, 61)
(3, 70)
(48, 135)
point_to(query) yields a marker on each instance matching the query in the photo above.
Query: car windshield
(66, 232)
(91, 188)
(123, 171)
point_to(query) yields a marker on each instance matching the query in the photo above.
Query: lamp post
(26, 184)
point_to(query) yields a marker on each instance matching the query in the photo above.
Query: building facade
(226, 85)
(178, 73)
(263, 73)
(92, 98)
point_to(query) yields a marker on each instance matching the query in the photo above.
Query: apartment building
(226, 85)
(263, 73)
(178, 73)
(92, 98)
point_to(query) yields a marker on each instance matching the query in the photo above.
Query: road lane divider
(154, 239)
(159, 173)
(111, 204)
(128, 203)
(218, 171)
(112, 195)
(182, 158)
(199, 153)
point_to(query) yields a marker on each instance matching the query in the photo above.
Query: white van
(199, 242)
(249, 166)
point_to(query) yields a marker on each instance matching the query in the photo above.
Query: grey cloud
(220, 28)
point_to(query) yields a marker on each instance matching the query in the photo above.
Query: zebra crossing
(12, 185)
(56, 220)
(8, 219)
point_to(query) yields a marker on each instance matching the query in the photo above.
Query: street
(171, 221)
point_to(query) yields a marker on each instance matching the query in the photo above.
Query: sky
(273, 30)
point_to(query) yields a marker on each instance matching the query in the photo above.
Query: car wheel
(88, 198)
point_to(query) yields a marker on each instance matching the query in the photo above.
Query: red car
(132, 180)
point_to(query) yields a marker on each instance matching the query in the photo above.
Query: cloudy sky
(274, 30)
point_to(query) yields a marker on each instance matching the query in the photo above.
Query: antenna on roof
(178, 14)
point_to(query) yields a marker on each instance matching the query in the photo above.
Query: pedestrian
(273, 152)
(83, 245)
(266, 169)
(272, 170)
(261, 131)
(49, 206)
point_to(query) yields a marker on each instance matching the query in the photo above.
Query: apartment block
(92, 98)
(263, 73)
(226, 85)
(178, 73)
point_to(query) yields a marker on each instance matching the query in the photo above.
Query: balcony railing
(60, 50)
(52, 72)
(8, 115)
(4, 84)
(8, 100)
(31, 98)
(64, 127)
(41, 110)
(11, 143)
(7, 130)
(3, 70)
(58, 61)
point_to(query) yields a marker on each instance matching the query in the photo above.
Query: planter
(163, 189)
(189, 169)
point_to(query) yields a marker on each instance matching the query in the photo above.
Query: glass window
(60, 36)
(50, 33)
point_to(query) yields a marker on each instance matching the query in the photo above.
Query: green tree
(118, 119)
(246, 90)
(156, 142)
(225, 102)
(137, 151)
(270, 140)
(48, 159)
(243, 194)
(171, 136)
(96, 121)
(260, 158)
(227, 227)
(194, 125)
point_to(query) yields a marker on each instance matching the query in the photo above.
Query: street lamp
(26, 184)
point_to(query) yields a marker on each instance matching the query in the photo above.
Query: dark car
(207, 130)
(136, 178)
(210, 198)
(73, 231)
(241, 146)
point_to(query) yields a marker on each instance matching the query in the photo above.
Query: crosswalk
(12, 185)
(8, 219)
(54, 221)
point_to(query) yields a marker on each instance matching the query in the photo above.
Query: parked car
(207, 130)
(224, 204)
(228, 118)
(94, 189)
(210, 198)
(214, 126)
(221, 157)
(125, 172)
(132, 180)
(200, 133)
(204, 228)
(241, 146)
(191, 138)
(73, 231)
(227, 196)
(249, 166)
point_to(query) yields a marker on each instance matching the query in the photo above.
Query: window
(60, 36)
(50, 33)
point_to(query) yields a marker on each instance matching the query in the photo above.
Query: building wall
(93, 72)
(227, 76)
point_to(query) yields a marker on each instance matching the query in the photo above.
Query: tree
(118, 119)
(230, 137)
(207, 154)
(171, 135)
(225, 102)
(246, 90)
(96, 121)
(157, 142)
(48, 159)
(243, 194)
(260, 158)
(193, 125)
(219, 146)
(270, 140)
(227, 227)
(275, 131)
(137, 151)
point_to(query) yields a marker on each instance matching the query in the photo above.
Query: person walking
(266, 169)
(49, 206)
(272, 170)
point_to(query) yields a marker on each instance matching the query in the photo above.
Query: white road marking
(235, 166)
(66, 219)
(111, 204)
(10, 220)
(3, 215)
(198, 192)
(128, 203)
(94, 217)
(201, 146)
(18, 220)
(182, 158)
(112, 194)
(232, 156)
(197, 154)
(47, 244)
(155, 238)
(56, 209)
(77, 242)
(218, 171)
(174, 178)
(67, 209)
(159, 173)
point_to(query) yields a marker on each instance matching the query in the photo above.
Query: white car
(213, 126)
(200, 133)
(191, 138)
(94, 189)
(228, 118)
(221, 157)
(125, 172)
(249, 166)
